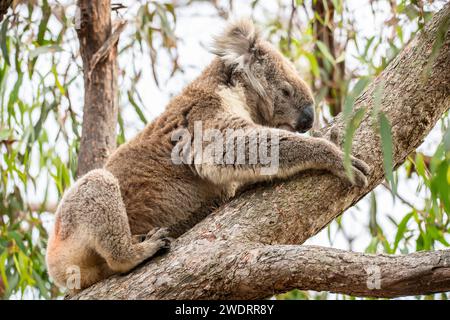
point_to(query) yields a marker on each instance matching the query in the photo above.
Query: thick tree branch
(209, 261)
(100, 83)
(287, 267)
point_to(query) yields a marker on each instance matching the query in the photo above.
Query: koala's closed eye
(287, 90)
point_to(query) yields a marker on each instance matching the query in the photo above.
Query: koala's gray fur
(250, 86)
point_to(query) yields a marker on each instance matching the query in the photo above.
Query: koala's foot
(127, 257)
(159, 236)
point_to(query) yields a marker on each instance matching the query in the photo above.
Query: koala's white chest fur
(234, 102)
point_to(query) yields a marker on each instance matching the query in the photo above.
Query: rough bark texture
(100, 85)
(4, 6)
(249, 247)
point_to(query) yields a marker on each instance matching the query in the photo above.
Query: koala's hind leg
(92, 232)
(123, 254)
(110, 230)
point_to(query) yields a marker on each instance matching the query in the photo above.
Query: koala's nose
(306, 119)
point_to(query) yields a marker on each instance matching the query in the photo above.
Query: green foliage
(352, 121)
(27, 154)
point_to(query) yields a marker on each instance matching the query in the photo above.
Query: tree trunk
(4, 6)
(331, 77)
(249, 248)
(100, 84)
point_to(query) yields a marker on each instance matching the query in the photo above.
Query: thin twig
(402, 199)
(105, 49)
(290, 25)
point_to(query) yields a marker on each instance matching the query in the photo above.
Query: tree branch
(324, 269)
(106, 48)
(209, 261)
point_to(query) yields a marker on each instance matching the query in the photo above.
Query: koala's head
(272, 86)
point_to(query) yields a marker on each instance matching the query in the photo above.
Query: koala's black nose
(306, 119)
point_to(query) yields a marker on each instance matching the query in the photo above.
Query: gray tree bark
(249, 248)
(100, 84)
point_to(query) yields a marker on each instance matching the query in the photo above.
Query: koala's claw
(163, 244)
(361, 166)
(166, 243)
(360, 172)
(360, 180)
(157, 234)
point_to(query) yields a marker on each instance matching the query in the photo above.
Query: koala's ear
(236, 45)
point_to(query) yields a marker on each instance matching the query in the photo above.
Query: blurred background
(338, 47)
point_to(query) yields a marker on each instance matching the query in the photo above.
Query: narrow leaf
(387, 148)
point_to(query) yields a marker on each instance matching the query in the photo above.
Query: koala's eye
(286, 93)
(286, 90)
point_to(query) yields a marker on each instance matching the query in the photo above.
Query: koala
(114, 218)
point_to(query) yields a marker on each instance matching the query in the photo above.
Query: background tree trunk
(331, 77)
(249, 248)
(100, 84)
(4, 6)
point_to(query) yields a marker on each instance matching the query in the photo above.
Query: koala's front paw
(159, 236)
(360, 172)
(336, 157)
(361, 165)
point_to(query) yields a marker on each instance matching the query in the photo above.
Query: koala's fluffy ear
(236, 46)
